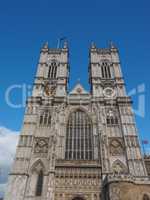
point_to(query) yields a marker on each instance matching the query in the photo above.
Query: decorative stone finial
(112, 46)
(93, 46)
(65, 45)
(45, 46)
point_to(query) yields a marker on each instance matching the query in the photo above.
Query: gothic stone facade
(78, 145)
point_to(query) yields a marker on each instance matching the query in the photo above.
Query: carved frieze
(80, 182)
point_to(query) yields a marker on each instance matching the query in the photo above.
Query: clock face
(49, 90)
(109, 92)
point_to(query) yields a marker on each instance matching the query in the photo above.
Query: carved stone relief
(116, 147)
(118, 167)
(41, 145)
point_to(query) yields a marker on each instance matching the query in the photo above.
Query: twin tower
(104, 71)
(78, 145)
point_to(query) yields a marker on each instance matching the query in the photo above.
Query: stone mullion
(108, 72)
(87, 141)
(83, 138)
(47, 120)
(91, 143)
(70, 139)
(51, 68)
(66, 143)
(78, 137)
(86, 150)
(84, 132)
(72, 135)
(88, 138)
(75, 134)
(67, 139)
(80, 132)
(55, 71)
(52, 72)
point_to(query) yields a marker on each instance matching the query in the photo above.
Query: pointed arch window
(79, 137)
(39, 186)
(105, 69)
(52, 73)
(45, 118)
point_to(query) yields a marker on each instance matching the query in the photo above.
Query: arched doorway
(78, 198)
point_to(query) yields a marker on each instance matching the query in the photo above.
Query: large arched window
(79, 137)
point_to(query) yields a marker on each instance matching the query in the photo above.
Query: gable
(79, 90)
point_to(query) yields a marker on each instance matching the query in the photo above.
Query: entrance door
(77, 198)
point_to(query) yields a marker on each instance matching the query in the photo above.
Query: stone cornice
(112, 178)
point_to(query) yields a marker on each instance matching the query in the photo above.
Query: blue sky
(26, 25)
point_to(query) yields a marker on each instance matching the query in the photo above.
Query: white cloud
(2, 189)
(8, 142)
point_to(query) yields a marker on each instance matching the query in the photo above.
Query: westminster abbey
(78, 145)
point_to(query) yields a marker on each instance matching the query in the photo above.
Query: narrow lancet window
(39, 186)
(105, 68)
(52, 70)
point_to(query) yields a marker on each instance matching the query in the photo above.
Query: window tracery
(52, 73)
(105, 69)
(79, 137)
(45, 118)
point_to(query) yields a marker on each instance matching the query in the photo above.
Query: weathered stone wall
(128, 191)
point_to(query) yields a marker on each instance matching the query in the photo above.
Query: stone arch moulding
(72, 109)
(37, 166)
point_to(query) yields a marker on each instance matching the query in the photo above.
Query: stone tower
(78, 145)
